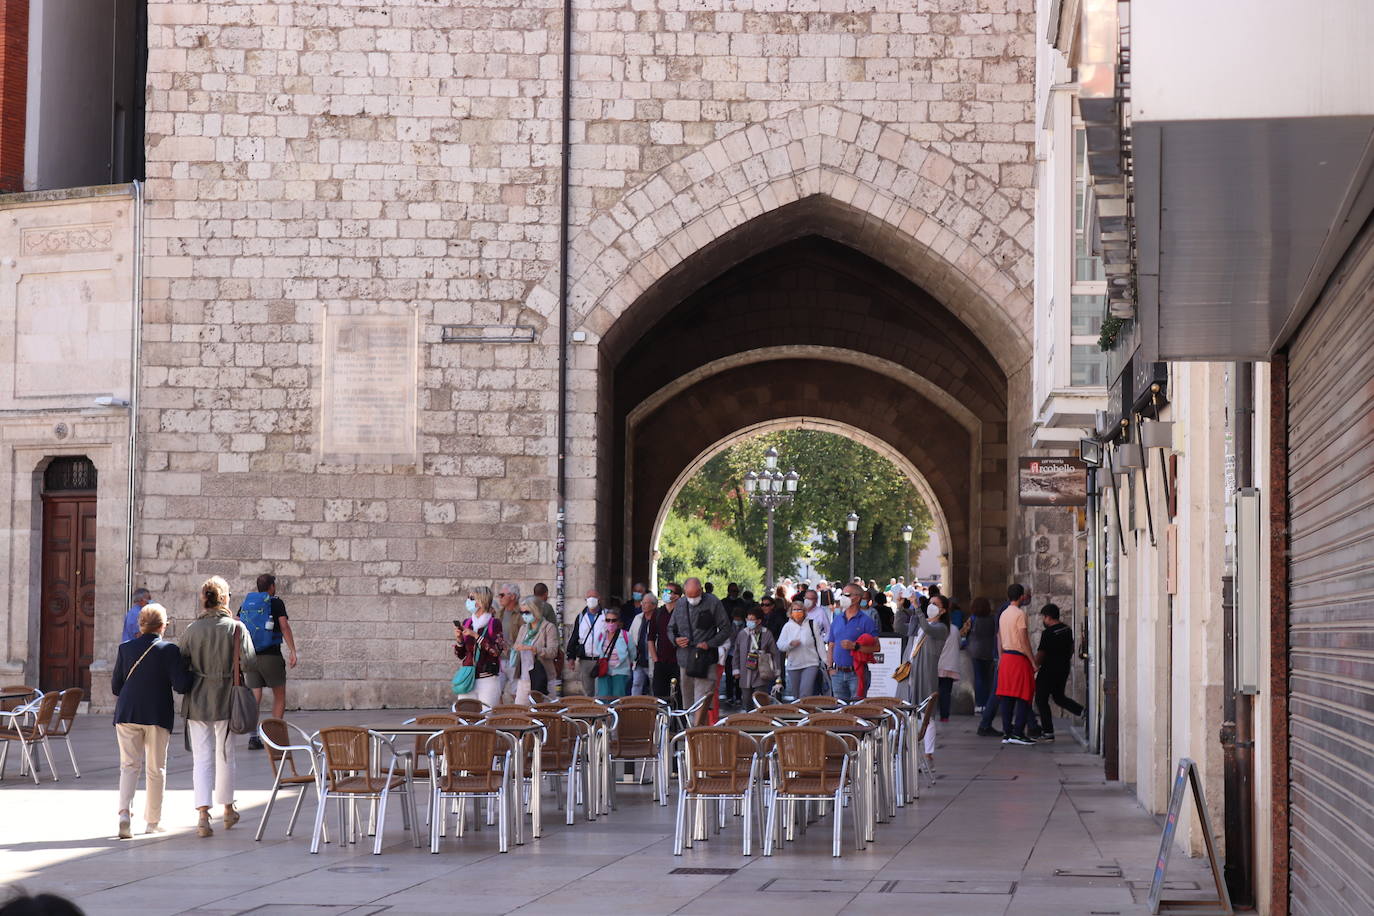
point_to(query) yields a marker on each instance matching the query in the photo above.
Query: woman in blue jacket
(145, 674)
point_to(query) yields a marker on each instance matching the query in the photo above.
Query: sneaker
(989, 733)
(1046, 736)
(1018, 739)
(255, 743)
(125, 831)
(977, 710)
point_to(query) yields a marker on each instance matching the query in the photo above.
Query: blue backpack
(256, 614)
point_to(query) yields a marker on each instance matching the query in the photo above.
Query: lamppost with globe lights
(852, 523)
(906, 537)
(770, 488)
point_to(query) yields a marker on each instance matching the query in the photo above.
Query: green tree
(691, 547)
(838, 475)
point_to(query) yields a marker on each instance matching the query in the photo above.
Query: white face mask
(593, 603)
(808, 604)
(845, 601)
(694, 601)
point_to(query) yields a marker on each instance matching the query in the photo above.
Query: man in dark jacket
(1055, 656)
(699, 624)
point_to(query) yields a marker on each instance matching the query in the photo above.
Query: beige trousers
(142, 747)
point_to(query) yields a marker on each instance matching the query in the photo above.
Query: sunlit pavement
(1023, 830)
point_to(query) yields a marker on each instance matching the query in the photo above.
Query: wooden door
(68, 593)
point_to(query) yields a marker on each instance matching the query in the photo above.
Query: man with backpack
(264, 614)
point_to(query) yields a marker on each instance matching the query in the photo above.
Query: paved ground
(1005, 830)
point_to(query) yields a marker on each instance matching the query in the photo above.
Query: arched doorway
(67, 596)
(806, 326)
(940, 528)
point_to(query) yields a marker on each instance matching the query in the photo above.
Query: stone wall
(314, 159)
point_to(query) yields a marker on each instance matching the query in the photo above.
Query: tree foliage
(838, 475)
(691, 547)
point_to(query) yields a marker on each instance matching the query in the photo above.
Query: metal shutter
(1331, 597)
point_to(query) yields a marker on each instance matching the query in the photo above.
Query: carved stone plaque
(369, 393)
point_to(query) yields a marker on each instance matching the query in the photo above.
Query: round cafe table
(598, 755)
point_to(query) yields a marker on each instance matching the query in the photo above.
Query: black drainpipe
(564, 208)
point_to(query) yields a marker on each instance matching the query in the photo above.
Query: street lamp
(906, 537)
(770, 488)
(852, 523)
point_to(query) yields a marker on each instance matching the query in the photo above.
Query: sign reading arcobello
(369, 389)
(1053, 482)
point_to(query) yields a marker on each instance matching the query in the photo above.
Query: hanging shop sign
(1053, 482)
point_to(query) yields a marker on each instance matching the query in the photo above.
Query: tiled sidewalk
(1005, 830)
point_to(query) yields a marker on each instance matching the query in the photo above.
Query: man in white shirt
(583, 636)
(814, 612)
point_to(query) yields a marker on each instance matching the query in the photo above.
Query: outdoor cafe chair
(470, 761)
(807, 764)
(529, 745)
(283, 742)
(60, 728)
(925, 710)
(639, 737)
(538, 696)
(764, 698)
(469, 706)
(711, 767)
(819, 703)
(892, 724)
(563, 758)
(29, 728)
(347, 776)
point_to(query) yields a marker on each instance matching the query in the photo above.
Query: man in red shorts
(1016, 670)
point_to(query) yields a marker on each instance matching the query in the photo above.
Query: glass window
(1086, 313)
(1087, 366)
(1086, 265)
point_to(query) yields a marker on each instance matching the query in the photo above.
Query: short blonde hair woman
(209, 650)
(479, 642)
(146, 671)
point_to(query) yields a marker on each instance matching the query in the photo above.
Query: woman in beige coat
(208, 647)
(534, 642)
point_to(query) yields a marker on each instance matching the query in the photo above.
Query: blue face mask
(637, 595)
(751, 624)
(863, 604)
(472, 605)
(667, 596)
(527, 617)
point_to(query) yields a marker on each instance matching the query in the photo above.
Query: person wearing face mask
(641, 632)
(629, 610)
(533, 650)
(480, 642)
(816, 613)
(699, 627)
(801, 642)
(613, 646)
(755, 658)
(508, 612)
(581, 641)
(849, 624)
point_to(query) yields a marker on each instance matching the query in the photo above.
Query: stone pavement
(1005, 830)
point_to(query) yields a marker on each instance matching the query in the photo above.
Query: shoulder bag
(243, 706)
(465, 678)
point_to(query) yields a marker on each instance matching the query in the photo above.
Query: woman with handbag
(147, 670)
(479, 645)
(532, 656)
(216, 648)
(756, 658)
(615, 657)
(801, 641)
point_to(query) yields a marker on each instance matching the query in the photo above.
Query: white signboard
(889, 656)
(369, 396)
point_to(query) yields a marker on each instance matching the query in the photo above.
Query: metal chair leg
(381, 823)
(319, 825)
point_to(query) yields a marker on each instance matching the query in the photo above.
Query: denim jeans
(844, 685)
(801, 682)
(946, 696)
(983, 680)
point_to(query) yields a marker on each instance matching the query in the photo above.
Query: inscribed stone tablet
(369, 389)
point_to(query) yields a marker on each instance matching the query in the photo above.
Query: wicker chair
(709, 769)
(10, 706)
(819, 703)
(277, 739)
(30, 727)
(476, 763)
(348, 777)
(890, 740)
(810, 764)
(469, 706)
(764, 698)
(640, 735)
(563, 757)
(579, 701)
(538, 696)
(60, 728)
(530, 744)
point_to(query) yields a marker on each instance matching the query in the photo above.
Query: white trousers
(486, 689)
(929, 739)
(214, 763)
(142, 747)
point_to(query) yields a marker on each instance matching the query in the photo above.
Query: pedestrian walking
(929, 634)
(1055, 658)
(534, 650)
(801, 642)
(581, 642)
(640, 632)
(665, 669)
(264, 614)
(699, 627)
(479, 643)
(1016, 594)
(948, 664)
(842, 641)
(209, 648)
(141, 599)
(1015, 673)
(615, 655)
(981, 631)
(508, 612)
(146, 671)
(757, 660)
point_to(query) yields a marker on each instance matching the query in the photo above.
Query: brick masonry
(304, 157)
(14, 78)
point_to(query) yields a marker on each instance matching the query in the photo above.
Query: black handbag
(700, 663)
